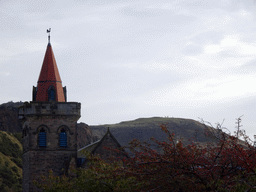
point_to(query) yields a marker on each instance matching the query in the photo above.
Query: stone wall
(52, 117)
(52, 125)
(41, 162)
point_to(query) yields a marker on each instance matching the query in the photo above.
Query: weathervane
(48, 31)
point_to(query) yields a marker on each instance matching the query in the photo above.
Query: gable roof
(94, 146)
(108, 133)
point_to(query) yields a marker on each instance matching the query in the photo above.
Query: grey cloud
(199, 3)
(209, 37)
(142, 12)
(249, 67)
(192, 50)
(230, 52)
(232, 5)
(202, 39)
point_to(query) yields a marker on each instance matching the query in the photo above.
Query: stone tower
(49, 126)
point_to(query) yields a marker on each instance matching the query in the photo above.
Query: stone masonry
(52, 117)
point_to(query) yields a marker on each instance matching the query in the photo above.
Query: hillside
(10, 162)
(145, 128)
(9, 121)
(84, 135)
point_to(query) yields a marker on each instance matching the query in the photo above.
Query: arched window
(51, 94)
(63, 138)
(42, 138)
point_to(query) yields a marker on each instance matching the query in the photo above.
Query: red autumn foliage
(230, 164)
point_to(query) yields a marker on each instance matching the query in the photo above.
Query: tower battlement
(50, 109)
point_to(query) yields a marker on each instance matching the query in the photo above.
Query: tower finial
(48, 31)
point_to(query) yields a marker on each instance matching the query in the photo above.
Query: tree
(227, 165)
(98, 176)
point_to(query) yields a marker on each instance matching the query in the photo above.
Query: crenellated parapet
(50, 109)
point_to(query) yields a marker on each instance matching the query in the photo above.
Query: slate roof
(93, 146)
(88, 148)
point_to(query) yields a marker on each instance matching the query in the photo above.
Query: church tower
(49, 126)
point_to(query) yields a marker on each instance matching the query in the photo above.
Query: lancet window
(63, 138)
(42, 138)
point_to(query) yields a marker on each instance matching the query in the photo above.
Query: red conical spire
(49, 85)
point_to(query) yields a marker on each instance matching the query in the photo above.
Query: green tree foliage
(229, 165)
(98, 176)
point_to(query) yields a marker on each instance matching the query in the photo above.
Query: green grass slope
(10, 162)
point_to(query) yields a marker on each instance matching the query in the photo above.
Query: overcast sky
(126, 59)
